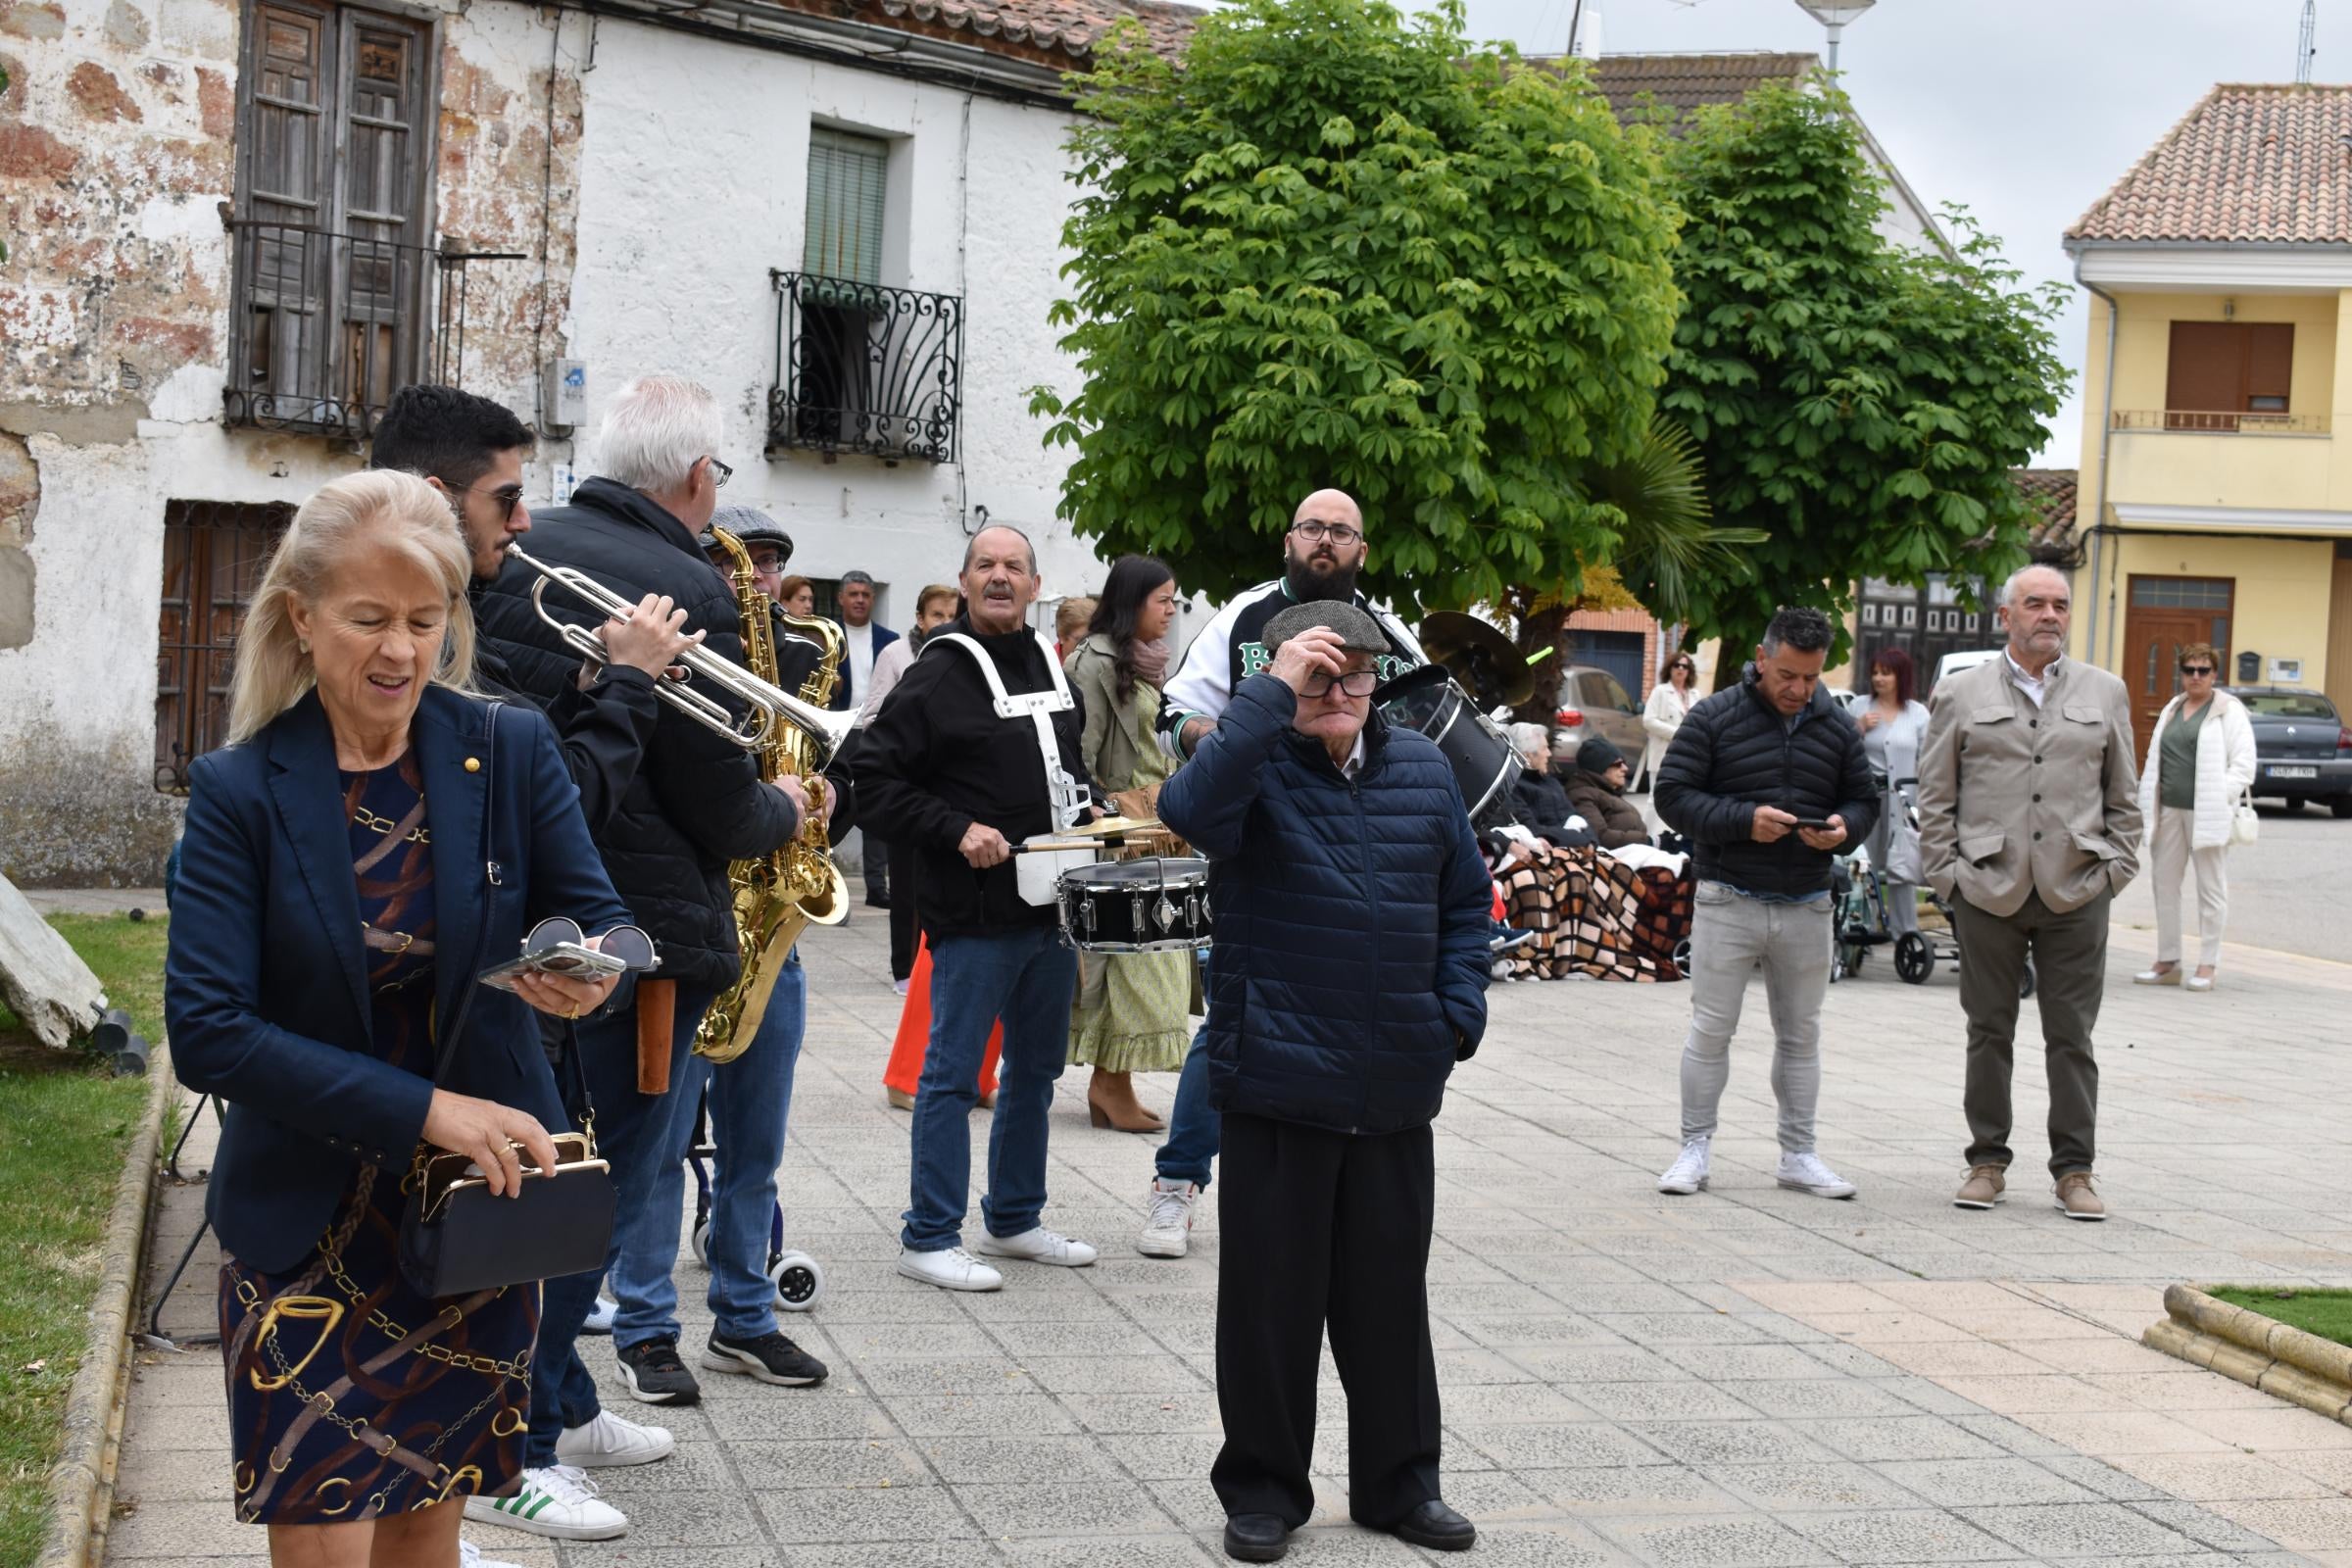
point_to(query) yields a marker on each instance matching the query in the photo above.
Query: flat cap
(1359, 633)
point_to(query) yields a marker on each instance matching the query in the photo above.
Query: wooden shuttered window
(2219, 370)
(846, 178)
(332, 239)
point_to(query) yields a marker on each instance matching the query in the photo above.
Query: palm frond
(1668, 541)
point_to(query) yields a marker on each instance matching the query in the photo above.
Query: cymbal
(1481, 657)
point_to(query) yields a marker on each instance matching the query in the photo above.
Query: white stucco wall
(694, 183)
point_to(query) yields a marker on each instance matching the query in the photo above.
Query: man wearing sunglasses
(696, 805)
(472, 450)
(1321, 556)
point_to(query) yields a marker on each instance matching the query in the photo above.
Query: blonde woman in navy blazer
(371, 839)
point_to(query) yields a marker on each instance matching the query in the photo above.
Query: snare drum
(1154, 906)
(1484, 764)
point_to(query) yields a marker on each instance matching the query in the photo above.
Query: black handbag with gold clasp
(454, 1236)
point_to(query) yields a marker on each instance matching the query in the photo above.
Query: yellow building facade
(2216, 485)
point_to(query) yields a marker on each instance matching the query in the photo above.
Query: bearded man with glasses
(1321, 556)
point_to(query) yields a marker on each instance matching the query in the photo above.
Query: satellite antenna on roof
(2308, 45)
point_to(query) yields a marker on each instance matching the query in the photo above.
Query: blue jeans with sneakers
(1024, 978)
(751, 1100)
(630, 1133)
(1194, 1125)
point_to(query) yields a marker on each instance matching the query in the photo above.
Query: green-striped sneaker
(558, 1501)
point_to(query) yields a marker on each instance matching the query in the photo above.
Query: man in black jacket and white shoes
(974, 751)
(697, 804)
(1768, 779)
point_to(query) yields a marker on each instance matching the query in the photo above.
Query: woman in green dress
(1132, 1013)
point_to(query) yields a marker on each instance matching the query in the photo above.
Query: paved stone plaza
(1749, 1377)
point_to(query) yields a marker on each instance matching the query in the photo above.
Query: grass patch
(2325, 1313)
(65, 1124)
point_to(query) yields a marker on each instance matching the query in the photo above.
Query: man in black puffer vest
(695, 804)
(1768, 779)
(1351, 976)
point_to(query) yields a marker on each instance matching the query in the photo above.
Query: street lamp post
(1835, 15)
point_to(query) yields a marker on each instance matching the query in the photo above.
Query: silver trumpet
(765, 703)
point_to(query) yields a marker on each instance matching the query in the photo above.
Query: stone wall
(117, 167)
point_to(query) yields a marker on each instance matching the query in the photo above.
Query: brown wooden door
(2166, 615)
(2339, 637)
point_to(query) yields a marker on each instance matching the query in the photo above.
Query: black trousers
(1318, 1228)
(880, 871)
(900, 855)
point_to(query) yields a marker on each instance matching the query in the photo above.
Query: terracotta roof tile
(2249, 163)
(2051, 493)
(1063, 28)
(1684, 83)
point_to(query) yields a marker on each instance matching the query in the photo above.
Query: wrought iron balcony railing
(328, 326)
(860, 368)
(2212, 422)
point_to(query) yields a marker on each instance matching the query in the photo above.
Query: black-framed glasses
(769, 560)
(1315, 533)
(1355, 683)
(721, 474)
(2196, 670)
(627, 943)
(507, 497)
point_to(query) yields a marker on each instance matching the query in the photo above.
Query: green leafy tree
(1859, 402)
(1341, 248)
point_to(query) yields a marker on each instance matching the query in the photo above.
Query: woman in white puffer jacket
(2200, 761)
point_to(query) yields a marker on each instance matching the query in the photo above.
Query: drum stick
(1108, 840)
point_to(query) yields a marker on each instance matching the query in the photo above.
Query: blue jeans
(1025, 978)
(750, 1099)
(629, 1133)
(1194, 1125)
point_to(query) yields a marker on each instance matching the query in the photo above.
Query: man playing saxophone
(697, 804)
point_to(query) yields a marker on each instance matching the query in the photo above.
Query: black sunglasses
(2196, 670)
(507, 497)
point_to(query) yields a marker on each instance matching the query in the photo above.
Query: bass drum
(1154, 906)
(1485, 764)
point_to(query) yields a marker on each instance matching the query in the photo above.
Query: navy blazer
(266, 990)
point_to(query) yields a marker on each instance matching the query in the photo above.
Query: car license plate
(2294, 772)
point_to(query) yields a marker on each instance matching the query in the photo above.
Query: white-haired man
(697, 804)
(2028, 821)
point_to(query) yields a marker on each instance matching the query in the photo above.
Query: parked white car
(1593, 701)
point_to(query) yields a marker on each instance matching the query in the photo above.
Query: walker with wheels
(1858, 919)
(799, 1280)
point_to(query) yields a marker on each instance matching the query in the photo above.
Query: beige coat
(2015, 800)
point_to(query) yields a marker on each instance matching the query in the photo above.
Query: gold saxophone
(780, 894)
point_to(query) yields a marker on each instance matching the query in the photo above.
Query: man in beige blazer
(2029, 822)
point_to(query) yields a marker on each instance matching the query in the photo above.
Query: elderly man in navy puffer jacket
(1350, 977)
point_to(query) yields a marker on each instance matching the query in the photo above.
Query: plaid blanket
(1596, 916)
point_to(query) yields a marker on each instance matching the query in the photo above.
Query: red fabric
(906, 1069)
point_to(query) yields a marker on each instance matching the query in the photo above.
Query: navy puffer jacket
(1349, 972)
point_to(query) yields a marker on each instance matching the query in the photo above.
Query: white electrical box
(567, 399)
(2287, 672)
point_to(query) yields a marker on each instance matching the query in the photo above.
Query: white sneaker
(900, 986)
(1689, 1172)
(1807, 1174)
(1168, 1220)
(1038, 1244)
(470, 1555)
(558, 1501)
(950, 1269)
(611, 1439)
(600, 1315)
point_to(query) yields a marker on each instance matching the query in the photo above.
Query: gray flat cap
(1359, 633)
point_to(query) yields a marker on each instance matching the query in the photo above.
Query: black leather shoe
(1257, 1537)
(1437, 1527)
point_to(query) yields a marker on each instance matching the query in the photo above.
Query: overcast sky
(2022, 111)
